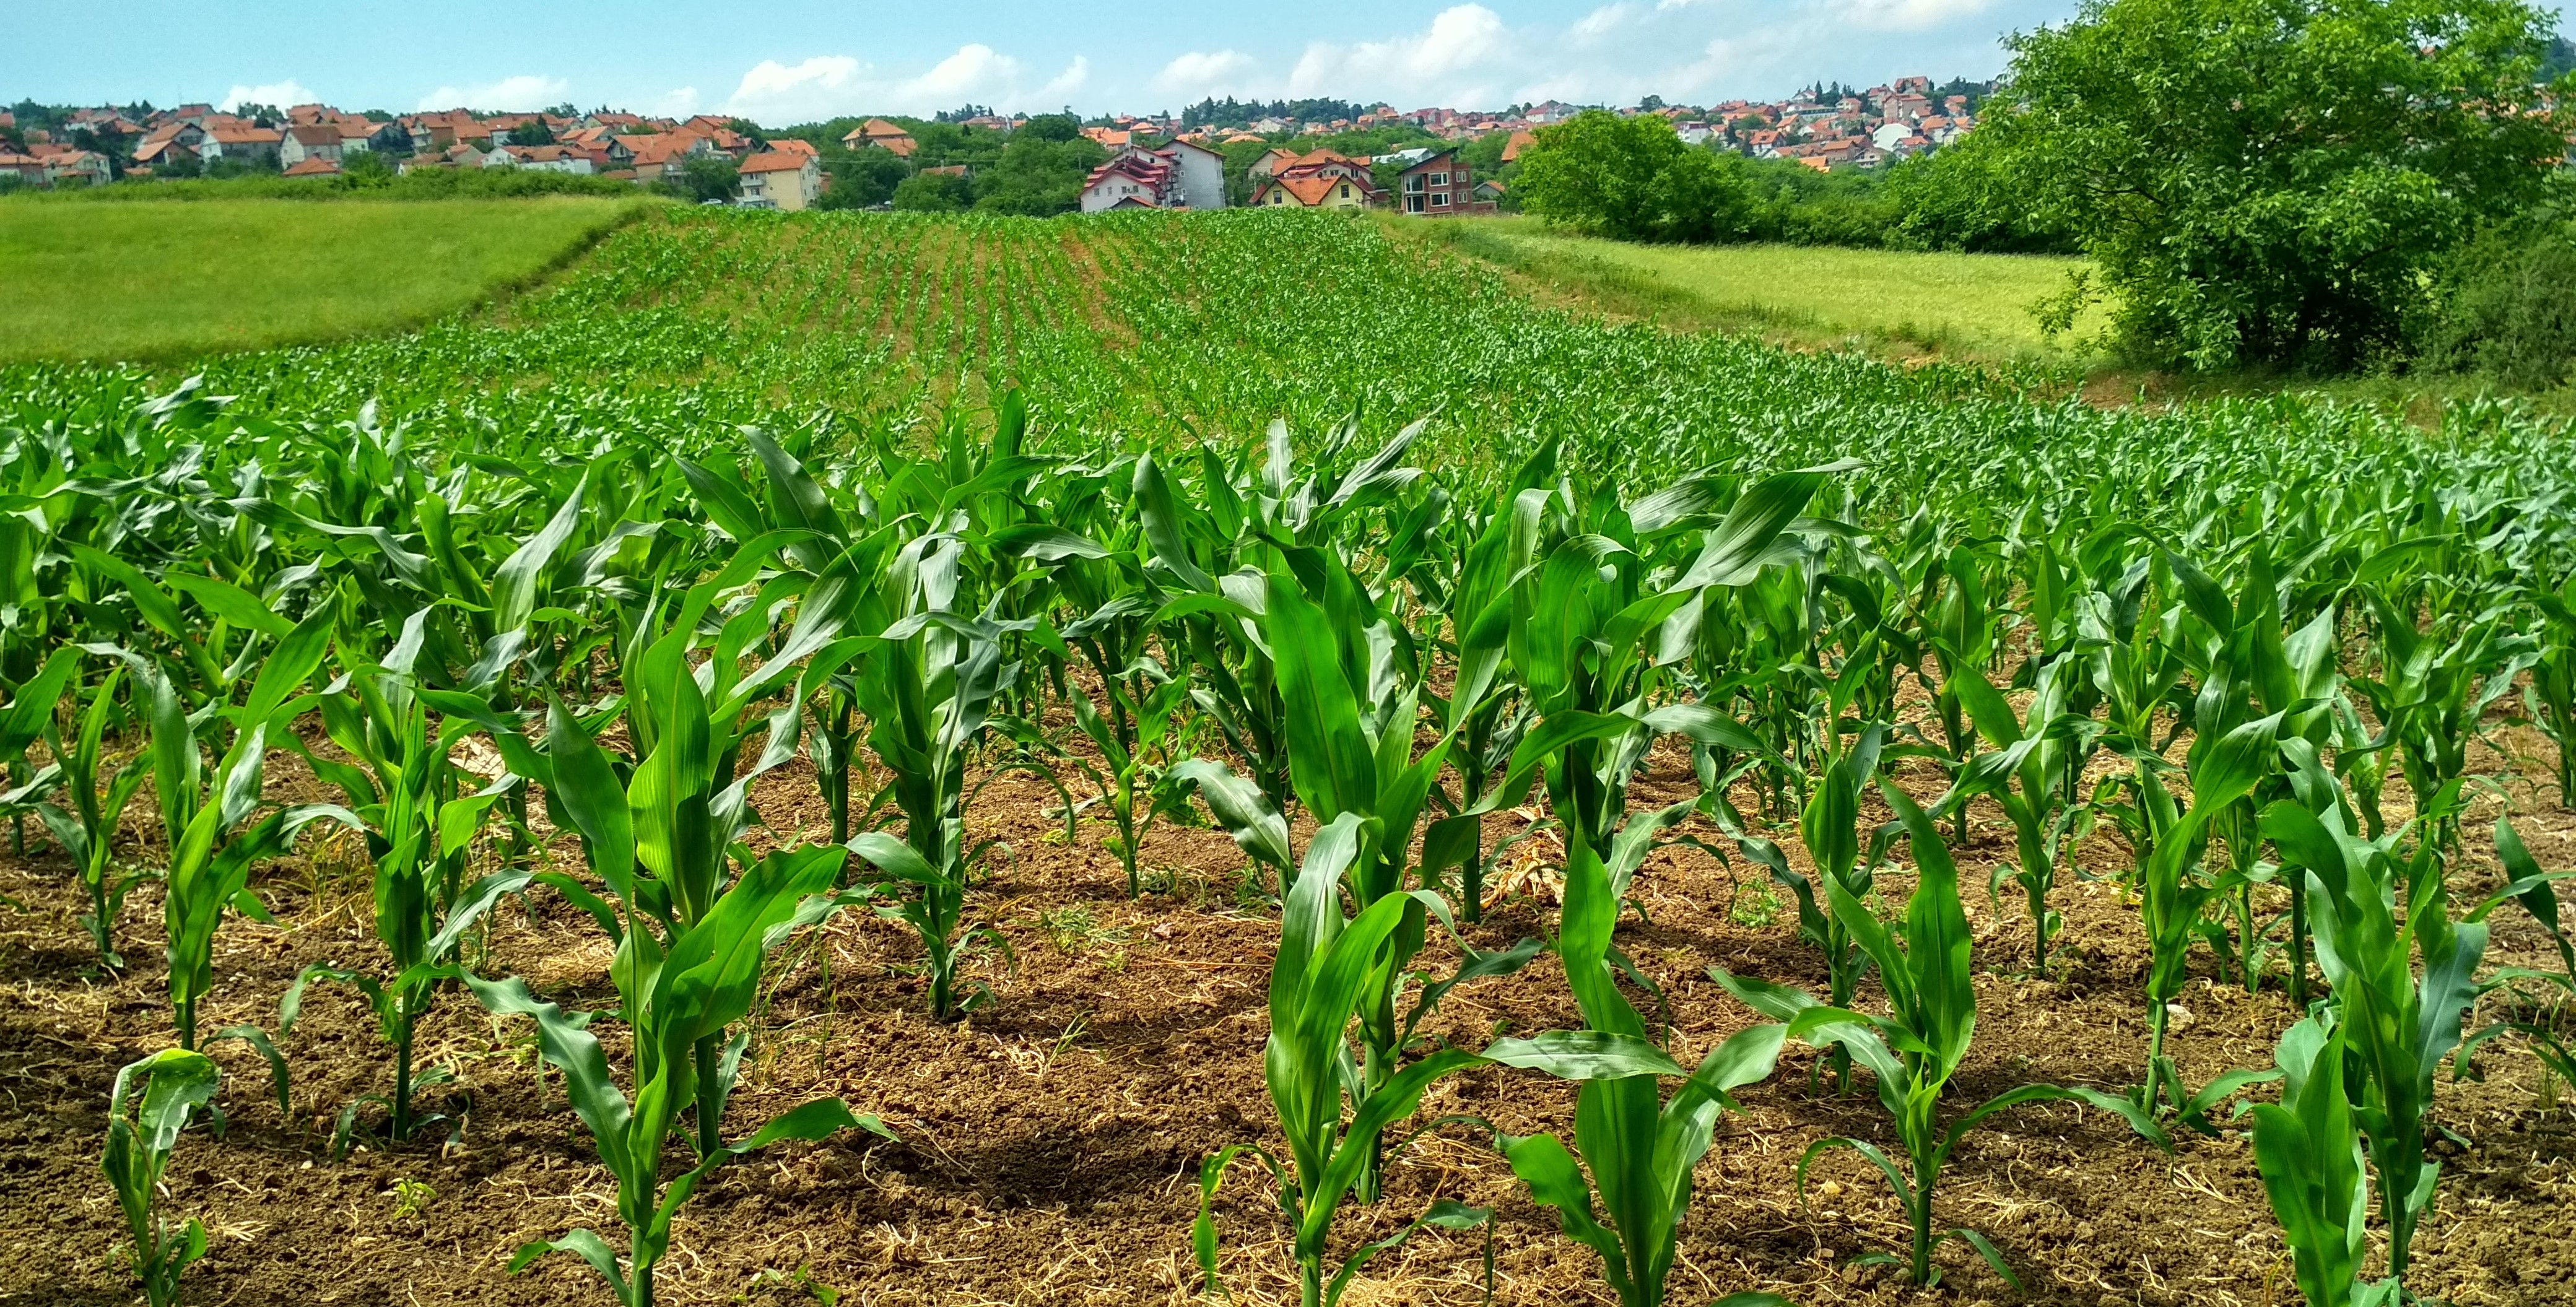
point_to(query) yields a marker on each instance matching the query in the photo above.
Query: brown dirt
(1050, 1143)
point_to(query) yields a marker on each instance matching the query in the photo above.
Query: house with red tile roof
(1318, 179)
(242, 141)
(1133, 179)
(877, 133)
(787, 180)
(305, 141)
(314, 166)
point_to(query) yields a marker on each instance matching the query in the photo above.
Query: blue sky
(803, 59)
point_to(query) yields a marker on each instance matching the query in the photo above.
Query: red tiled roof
(775, 161)
(315, 167)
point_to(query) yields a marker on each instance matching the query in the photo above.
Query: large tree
(2274, 181)
(1632, 179)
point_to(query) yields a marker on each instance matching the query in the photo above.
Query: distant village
(1212, 156)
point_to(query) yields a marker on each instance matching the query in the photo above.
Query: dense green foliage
(964, 504)
(2275, 181)
(2511, 310)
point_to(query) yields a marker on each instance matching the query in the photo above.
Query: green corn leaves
(1913, 1051)
(677, 998)
(146, 1110)
(2400, 988)
(2310, 1160)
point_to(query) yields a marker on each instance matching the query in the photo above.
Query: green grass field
(162, 281)
(1974, 306)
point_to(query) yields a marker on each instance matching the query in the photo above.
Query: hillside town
(1279, 155)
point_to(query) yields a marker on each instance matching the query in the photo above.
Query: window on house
(1440, 199)
(1439, 179)
(1346, 190)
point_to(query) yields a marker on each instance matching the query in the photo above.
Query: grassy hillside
(1970, 306)
(156, 281)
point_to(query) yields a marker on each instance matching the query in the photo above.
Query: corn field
(903, 759)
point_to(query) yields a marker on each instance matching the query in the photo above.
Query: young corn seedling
(2400, 987)
(928, 692)
(1129, 776)
(2551, 695)
(2533, 1019)
(2030, 775)
(99, 794)
(676, 999)
(1829, 827)
(1914, 1050)
(2309, 1155)
(1638, 1150)
(30, 717)
(146, 1111)
(2172, 893)
(213, 838)
(418, 829)
(1317, 986)
(1352, 700)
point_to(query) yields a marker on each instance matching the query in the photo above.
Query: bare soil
(1050, 1142)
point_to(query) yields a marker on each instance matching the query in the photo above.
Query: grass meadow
(161, 281)
(1971, 307)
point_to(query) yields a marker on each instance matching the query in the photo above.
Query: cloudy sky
(796, 60)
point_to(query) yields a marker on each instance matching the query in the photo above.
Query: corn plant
(676, 999)
(2400, 987)
(1829, 828)
(98, 794)
(404, 803)
(29, 718)
(1318, 984)
(928, 692)
(1129, 774)
(146, 1110)
(214, 840)
(2431, 694)
(2532, 1018)
(2309, 1155)
(2172, 891)
(1914, 1050)
(1638, 1150)
(2031, 775)
(2551, 694)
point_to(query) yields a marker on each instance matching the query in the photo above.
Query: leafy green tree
(531, 132)
(1631, 179)
(703, 179)
(861, 179)
(2273, 181)
(933, 192)
(1041, 174)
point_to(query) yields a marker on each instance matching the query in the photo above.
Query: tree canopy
(1632, 179)
(2276, 181)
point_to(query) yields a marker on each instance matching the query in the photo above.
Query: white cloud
(680, 102)
(1208, 72)
(1462, 39)
(1075, 76)
(829, 86)
(1914, 15)
(1603, 21)
(510, 94)
(275, 94)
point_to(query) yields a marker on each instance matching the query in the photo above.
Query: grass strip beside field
(1967, 306)
(165, 281)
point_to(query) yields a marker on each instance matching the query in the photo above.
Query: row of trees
(2320, 184)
